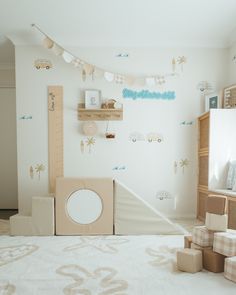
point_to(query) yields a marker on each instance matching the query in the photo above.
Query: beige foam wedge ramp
(134, 216)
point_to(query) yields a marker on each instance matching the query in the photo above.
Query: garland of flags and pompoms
(93, 71)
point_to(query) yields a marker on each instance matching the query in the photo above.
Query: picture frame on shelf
(212, 101)
(92, 99)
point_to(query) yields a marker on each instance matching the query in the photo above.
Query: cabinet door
(204, 132)
(232, 213)
(203, 170)
(202, 204)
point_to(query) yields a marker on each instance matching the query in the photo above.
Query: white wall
(7, 77)
(8, 161)
(232, 65)
(149, 166)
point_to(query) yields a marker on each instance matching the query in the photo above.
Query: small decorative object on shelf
(230, 97)
(110, 135)
(109, 104)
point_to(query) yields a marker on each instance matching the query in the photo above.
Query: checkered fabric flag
(160, 80)
(119, 79)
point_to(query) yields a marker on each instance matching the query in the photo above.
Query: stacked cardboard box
(217, 243)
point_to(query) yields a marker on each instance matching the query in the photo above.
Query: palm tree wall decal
(184, 163)
(181, 61)
(90, 142)
(39, 168)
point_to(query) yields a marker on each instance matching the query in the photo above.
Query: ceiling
(128, 23)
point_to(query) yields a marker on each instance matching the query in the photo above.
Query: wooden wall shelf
(99, 114)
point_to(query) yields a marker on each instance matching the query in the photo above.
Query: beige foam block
(21, 225)
(230, 269)
(216, 222)
(216, 204)
(41, 223)
(202, 236)
(213, 261)
(189, 260)
(197, 247)
(225, 243)
(188, 241)
(134, 216)
(43, 215)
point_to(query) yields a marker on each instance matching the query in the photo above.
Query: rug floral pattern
(109, 245)
(101, 281)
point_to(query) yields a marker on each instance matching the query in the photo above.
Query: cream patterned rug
(4, 227)
(100, 265)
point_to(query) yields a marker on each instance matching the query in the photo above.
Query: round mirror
(84, 206)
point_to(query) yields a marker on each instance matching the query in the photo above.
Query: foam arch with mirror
(84, 206)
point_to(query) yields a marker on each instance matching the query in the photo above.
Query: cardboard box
(187, 241)
(216, 204)
(213, 261)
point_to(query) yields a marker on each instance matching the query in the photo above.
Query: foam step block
(41, 223)
(216, 204)
(189, 260)
(43, 215)
(225, 243)
(213, 261)
(216, 222)
(202, 236)
(188, 241)
(21, 225)
(230, 269)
